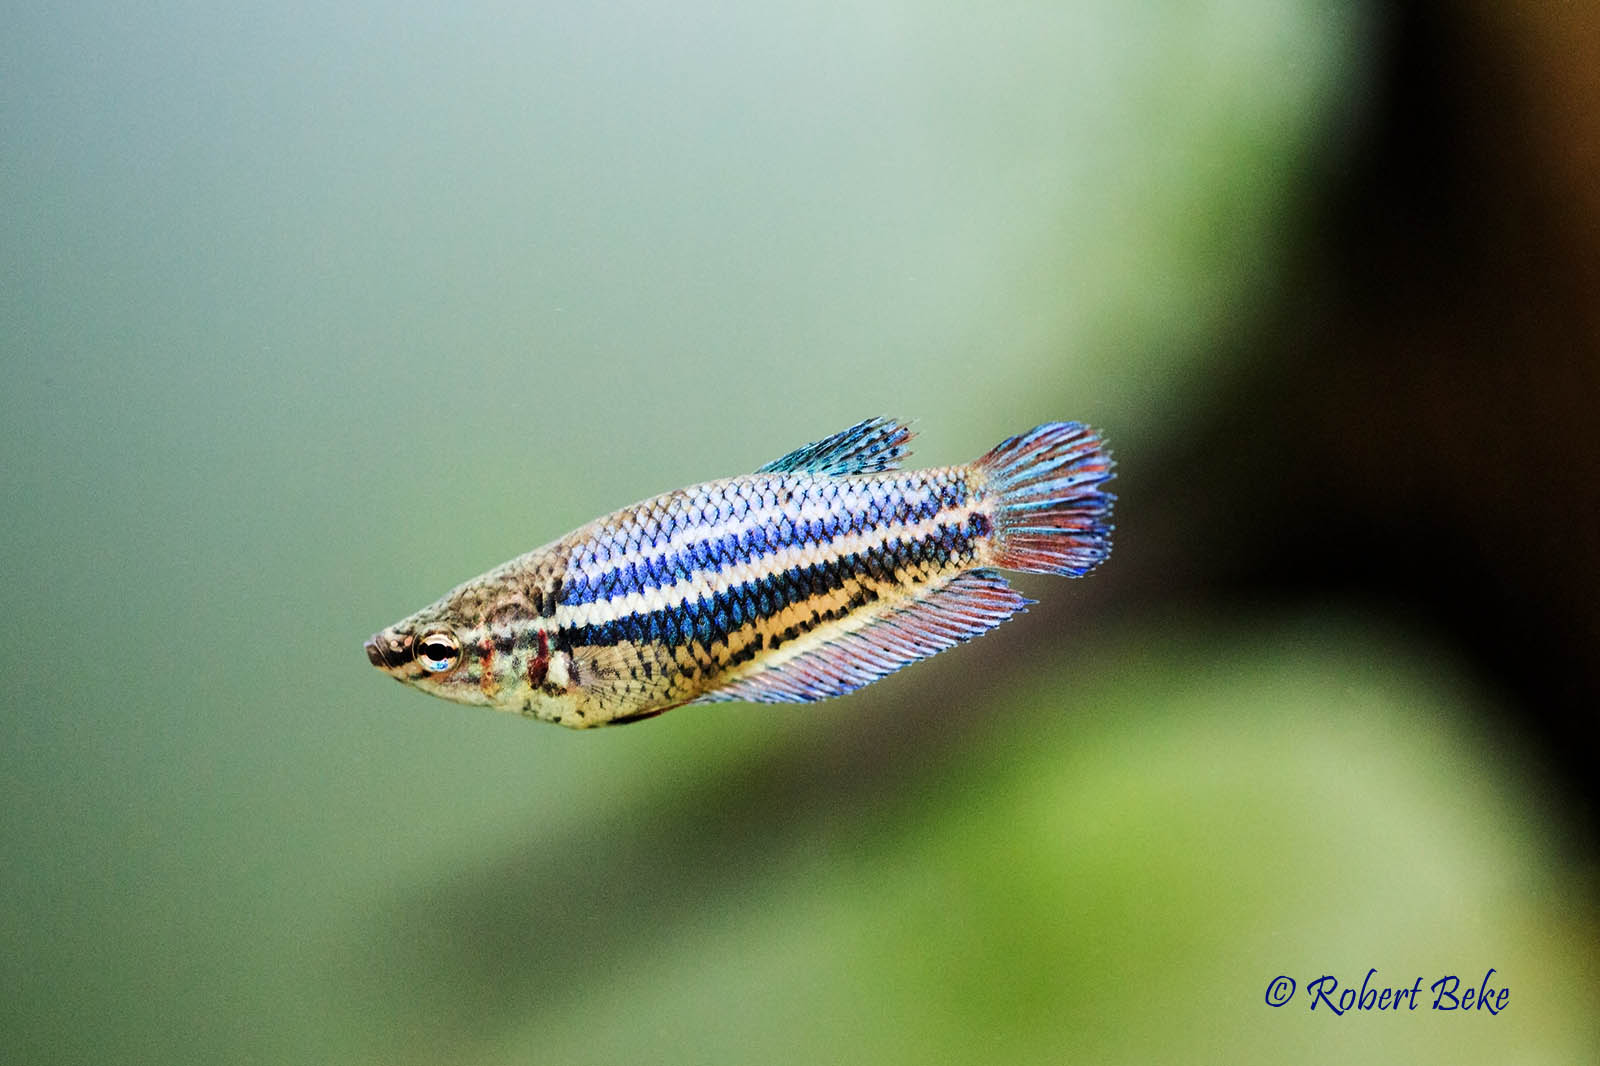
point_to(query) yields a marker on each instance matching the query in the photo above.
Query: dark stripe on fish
(706, 621)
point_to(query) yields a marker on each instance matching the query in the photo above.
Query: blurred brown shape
(1423, 432)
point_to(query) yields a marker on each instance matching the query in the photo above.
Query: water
(309, 315)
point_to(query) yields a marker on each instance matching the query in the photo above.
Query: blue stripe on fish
(713, 618)
(715, 555)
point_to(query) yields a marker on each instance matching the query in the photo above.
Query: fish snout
(389, 652)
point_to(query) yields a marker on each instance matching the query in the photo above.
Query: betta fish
(821, 572)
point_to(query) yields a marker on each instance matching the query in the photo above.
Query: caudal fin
(1050, 516)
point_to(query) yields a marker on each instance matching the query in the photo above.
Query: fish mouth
(389, 652)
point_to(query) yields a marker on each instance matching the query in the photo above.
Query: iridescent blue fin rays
(865, 448)
(1051, 517)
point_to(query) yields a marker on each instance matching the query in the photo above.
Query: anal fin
(827, 662)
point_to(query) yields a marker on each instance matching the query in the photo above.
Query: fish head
(448, 649)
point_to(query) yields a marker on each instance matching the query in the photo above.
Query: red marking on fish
(540, 664)
(486, 652)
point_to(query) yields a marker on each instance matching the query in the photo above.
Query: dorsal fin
(969, 604)
(864, 448)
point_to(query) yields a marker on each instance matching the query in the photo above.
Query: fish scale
(817, 574)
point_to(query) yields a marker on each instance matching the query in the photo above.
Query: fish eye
(438, 652)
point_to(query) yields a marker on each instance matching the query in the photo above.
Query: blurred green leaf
(1117, 870)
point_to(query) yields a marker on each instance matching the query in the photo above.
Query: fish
(819, 573)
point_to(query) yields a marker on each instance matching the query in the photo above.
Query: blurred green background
(308, 314)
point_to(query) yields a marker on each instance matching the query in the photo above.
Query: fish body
(817, 574)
